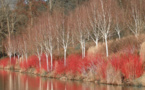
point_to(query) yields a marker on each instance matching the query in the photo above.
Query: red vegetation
(128, 64)
(74, 63)
(5, 61)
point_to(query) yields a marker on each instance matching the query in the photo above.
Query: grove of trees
(55, 30)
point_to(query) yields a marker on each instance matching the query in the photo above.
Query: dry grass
(126, 44)
(113, 76)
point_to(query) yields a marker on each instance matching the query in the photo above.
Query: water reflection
(17, 81)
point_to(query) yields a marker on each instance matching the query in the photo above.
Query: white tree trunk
(18, 58)
(39, 57)
(10, 59)
(107, 54)
(47, 62)
(83, 48)
(65, 57)
(96, 42)
(118, 35)
(51, 61)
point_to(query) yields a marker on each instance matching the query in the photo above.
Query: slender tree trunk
(18, 58)
(39, 57)
(10, 59)
(107, 54)
(51, 61)
(84, 50)
(96, 42)
(50, 5)
(64, 56)
(47, 62)
(118, 35)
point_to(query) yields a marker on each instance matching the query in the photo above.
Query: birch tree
(104, 21)
(81, 29)
(64, 34)
(118, 28)
(92, 15)
(136, 24)
(39, 41)
(50, 32)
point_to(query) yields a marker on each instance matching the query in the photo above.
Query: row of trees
(14, 19)
(95, 20)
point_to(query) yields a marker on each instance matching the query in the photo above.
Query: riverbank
(90, 77)
(124, 66)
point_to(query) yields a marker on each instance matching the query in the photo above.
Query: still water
(17, 81)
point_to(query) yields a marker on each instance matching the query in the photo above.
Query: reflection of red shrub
(33, 81)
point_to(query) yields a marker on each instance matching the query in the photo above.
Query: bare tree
(50, 38)
(64, 33)
(92, 15)
(104, 21)
(81, 27)
(38, 40)
(136, 24)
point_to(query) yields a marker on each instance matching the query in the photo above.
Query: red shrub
(129, 64)
(44, 62)
(33, 61)
(4, 62)
(13, 61)
(60, 68)
(74, 63)
(116, 63)
(24, 65)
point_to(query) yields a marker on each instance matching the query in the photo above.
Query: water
(17, 81)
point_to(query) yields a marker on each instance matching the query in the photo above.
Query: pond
(18, 81)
